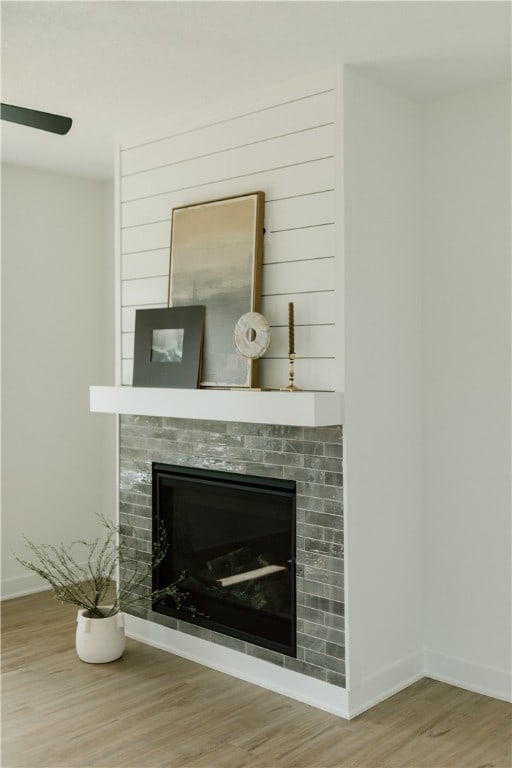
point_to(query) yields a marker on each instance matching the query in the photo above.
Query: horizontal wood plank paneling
(127, 372)
(300, 212)
(310, 144)
(303, 178)
(310, 308)
(145, 264)
(300, 243)
(146, 237)
(127, 342)
(315, 275)
(288, 149)
(151, 290)
(228, 134)
(310, 341)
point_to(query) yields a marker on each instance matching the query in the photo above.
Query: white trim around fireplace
(317, 693)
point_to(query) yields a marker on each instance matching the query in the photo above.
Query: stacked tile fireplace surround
(310, 456)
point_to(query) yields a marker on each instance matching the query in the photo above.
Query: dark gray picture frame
(183, 373)
(216, 260)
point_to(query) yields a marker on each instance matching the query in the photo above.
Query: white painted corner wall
(57, 337)
(287, 143)
(467, 389)
(427, 425)
(383, 429)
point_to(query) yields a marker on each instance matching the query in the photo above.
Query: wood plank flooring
(154, 709)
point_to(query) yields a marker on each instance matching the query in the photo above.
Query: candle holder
(291, 352)
(291, 376)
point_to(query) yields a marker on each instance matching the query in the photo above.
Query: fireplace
(232, 539)
(309, 457)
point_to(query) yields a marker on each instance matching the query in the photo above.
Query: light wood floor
(154, 709)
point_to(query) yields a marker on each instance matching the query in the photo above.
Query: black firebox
(232, 537)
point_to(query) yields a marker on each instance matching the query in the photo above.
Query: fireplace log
(272, 593)
(257, 573)
(230, 563)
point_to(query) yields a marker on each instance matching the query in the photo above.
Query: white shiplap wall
(288, 146)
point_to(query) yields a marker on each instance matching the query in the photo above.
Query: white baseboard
(338, 701)
(372, 690)
(464, 674)
(296, 686)
(19, 586)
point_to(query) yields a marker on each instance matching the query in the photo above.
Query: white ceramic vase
(100, 640)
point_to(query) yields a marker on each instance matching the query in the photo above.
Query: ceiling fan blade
(45, 121)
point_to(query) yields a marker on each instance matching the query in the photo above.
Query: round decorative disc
(252, 335)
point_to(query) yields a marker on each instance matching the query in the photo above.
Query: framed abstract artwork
(216, 261)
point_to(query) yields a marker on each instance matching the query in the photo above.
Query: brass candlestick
(291, 351)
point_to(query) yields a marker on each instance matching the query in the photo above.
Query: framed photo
(216, 257)
(168, 347)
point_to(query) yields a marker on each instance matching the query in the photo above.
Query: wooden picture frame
(168, 347)
(216, 260)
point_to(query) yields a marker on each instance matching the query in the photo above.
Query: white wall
(467, 389)
(382, 436)
(57, 339)
(427, 435)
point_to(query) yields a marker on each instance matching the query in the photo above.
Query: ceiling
(120, 66)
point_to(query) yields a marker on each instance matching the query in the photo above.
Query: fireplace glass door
(232, 537)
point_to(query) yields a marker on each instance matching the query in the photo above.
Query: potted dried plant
(84, 573)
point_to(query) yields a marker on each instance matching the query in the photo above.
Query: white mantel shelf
(301, 409)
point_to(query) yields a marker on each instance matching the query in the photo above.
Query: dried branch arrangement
(82, 573)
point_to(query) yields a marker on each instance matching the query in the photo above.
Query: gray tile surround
(310, 456)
